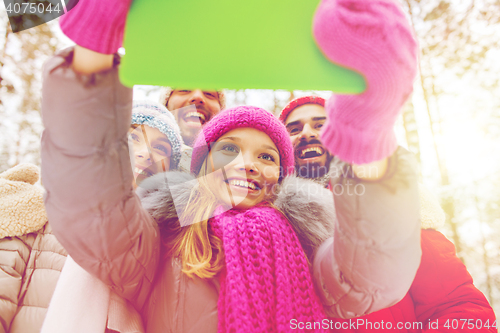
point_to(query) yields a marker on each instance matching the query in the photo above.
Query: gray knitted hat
(157, 116)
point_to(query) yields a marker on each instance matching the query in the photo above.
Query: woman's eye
(163, 149)
(267, 157)
(230, 148)
(212, 95)
(135, 137)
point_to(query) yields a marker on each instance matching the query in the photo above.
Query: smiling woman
(151, 151)
(243, 167)
(154, 140)
(239, 157)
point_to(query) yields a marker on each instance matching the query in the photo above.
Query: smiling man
(192, 109)
(303, 118)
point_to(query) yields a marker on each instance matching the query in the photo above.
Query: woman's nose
(245, 163)
(143, 153)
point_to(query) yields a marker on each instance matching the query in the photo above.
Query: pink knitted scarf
(266, 282)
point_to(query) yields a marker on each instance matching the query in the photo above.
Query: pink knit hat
(299, 101)
(239, 117)
(374, 38)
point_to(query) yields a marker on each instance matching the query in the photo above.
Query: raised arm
(86, 61)
(86, 169)
(372, 259)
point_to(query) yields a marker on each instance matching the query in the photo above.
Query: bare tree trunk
(448, 203)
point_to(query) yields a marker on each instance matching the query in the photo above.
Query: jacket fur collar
(22, 210)
(307, 205)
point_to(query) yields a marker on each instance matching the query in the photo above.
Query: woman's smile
(244, 167)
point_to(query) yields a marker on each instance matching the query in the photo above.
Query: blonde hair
(200, 251)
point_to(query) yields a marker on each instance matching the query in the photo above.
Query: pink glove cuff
(355, 145)
(97, 25)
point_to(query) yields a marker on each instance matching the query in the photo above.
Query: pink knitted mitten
(97, 24)
(374, 38)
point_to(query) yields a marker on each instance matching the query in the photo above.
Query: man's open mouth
(311, 152)
(195, 117)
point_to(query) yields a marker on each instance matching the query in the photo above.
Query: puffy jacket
(31, 258)
(96, 215)
(442, 298)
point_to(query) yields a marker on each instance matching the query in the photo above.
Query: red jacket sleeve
(443, 293)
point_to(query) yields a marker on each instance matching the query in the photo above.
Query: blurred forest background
(451, 123)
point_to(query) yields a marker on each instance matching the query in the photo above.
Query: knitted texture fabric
(21, 202)
(299, 101)
(166, 92)
(266, 281)
(239, 117)
(157, 116)
(97, 25)
(374, 38)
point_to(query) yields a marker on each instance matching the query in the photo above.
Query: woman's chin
(244, 202)
(243, 206)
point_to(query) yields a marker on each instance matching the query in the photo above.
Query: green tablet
(232, 44)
